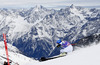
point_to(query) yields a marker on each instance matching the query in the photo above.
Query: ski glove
(58, 45)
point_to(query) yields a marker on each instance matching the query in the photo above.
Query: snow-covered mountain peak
(74, 11)
(72, 6)
(39, 8)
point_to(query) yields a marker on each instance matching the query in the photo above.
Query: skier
(66, 47)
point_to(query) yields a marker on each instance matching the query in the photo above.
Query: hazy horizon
(55, 4)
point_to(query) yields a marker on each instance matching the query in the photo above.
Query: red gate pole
(4, 36)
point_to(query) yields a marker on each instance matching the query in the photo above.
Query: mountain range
(34, 31)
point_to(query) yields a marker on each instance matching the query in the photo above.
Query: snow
(87, 11)
(13, 55)
(76, 12)
(22, 26)
(82, 56)
(37, 8)
(42, 32)
(84, 32)
(38, 21)
(19, 25)
(1, 17)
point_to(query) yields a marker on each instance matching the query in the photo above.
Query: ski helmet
(58, 41)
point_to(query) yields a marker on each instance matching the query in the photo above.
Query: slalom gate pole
(4, 36)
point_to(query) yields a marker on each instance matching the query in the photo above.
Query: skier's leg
(66, 50)
(62, 52)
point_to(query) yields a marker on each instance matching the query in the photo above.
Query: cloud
(48, 3)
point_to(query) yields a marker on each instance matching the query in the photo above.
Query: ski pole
(4, 36)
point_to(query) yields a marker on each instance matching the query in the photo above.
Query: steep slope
(13, 25)
(14, 55)
(92, 26)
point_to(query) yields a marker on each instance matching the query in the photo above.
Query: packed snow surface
(82, 56)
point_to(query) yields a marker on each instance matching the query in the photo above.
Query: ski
(54, 57)
(6, 59)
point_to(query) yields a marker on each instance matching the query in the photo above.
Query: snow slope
(14, 55)
(89, 55)
(82, 56)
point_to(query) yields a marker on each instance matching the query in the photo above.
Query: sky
(47, 3)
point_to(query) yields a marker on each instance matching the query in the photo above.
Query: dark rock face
(88, 40)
